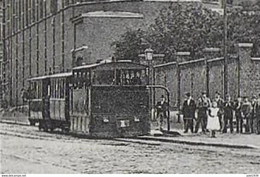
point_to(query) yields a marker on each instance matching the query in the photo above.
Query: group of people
(218, 114)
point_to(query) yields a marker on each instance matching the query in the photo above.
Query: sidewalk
(248, 141)
(231, 140)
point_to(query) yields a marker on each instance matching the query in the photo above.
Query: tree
(189, 27)
(130, 45)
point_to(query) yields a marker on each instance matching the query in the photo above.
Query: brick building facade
(39, 35)
(1, 49)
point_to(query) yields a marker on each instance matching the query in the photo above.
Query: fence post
(245, 68)
(209, 53)
(180, 57)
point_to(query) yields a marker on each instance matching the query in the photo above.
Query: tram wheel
(66, 130)
(45, 128)
(40, 126)
(32, 123)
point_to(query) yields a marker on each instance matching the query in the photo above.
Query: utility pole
(225, 48)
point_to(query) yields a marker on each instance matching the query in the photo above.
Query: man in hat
(161, 108)
(253, 114)
(246, 112)
(220, 103)
(188, 110)
(238, 113)
(203, 105)
(228, 114)
(258, 115)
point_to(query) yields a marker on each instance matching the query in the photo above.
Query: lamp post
(73, 53)
(149, 57)
(225, 50)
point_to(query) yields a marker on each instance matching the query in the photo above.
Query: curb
(197, 143)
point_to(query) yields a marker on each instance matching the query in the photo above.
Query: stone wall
(207, 74)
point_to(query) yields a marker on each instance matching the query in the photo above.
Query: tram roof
(109, 65)
(58, 75)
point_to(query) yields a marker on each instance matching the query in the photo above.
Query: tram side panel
(119, 111)
(58, 102)
(79, 116)
(35, 111)
(36, 102)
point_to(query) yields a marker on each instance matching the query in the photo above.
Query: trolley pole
(225, 49)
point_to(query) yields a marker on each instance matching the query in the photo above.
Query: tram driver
(136, 80)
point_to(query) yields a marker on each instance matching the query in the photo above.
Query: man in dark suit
(246, 112)
(238, 113)
(228, 114)
(188, 110)
(253, 114)
(161, 108)
(257, 129)
(203, 105)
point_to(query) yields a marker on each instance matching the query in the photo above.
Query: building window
(41, 8)
(53, 6)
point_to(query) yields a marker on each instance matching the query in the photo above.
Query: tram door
(46, 98)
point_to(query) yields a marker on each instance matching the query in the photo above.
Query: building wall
(39, 35)
(98, 34)
(1, 50)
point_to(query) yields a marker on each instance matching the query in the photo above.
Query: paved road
(26, 150)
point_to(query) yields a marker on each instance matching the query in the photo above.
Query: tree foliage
(189, 27)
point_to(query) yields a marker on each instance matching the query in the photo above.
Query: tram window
(79, 82)
(75, 80)
(136, 78)
(105, 77)
(94, 77)
(86, 79)
(56, 88)
(49, 90)
(62, 88)
(144, 77)
(53, 89)
(38, 90)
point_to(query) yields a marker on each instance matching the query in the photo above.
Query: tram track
(27, 146)
(34, 133)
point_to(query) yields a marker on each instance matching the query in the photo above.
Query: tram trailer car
(107, 99)
(49, 101)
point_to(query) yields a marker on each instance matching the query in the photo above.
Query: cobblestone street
(26, 150)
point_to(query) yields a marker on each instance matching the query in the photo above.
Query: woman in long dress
(213, 122)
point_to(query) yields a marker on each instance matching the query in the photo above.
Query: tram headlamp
(105, 119)
(124, 123)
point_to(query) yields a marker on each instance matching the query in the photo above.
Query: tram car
(106, 99)
(49, 101)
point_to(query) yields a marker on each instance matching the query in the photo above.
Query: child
(213, 122)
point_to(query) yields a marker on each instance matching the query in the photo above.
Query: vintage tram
(105, 99)
(49, 101)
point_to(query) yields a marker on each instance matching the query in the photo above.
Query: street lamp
(148, 54)
(73, 53)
